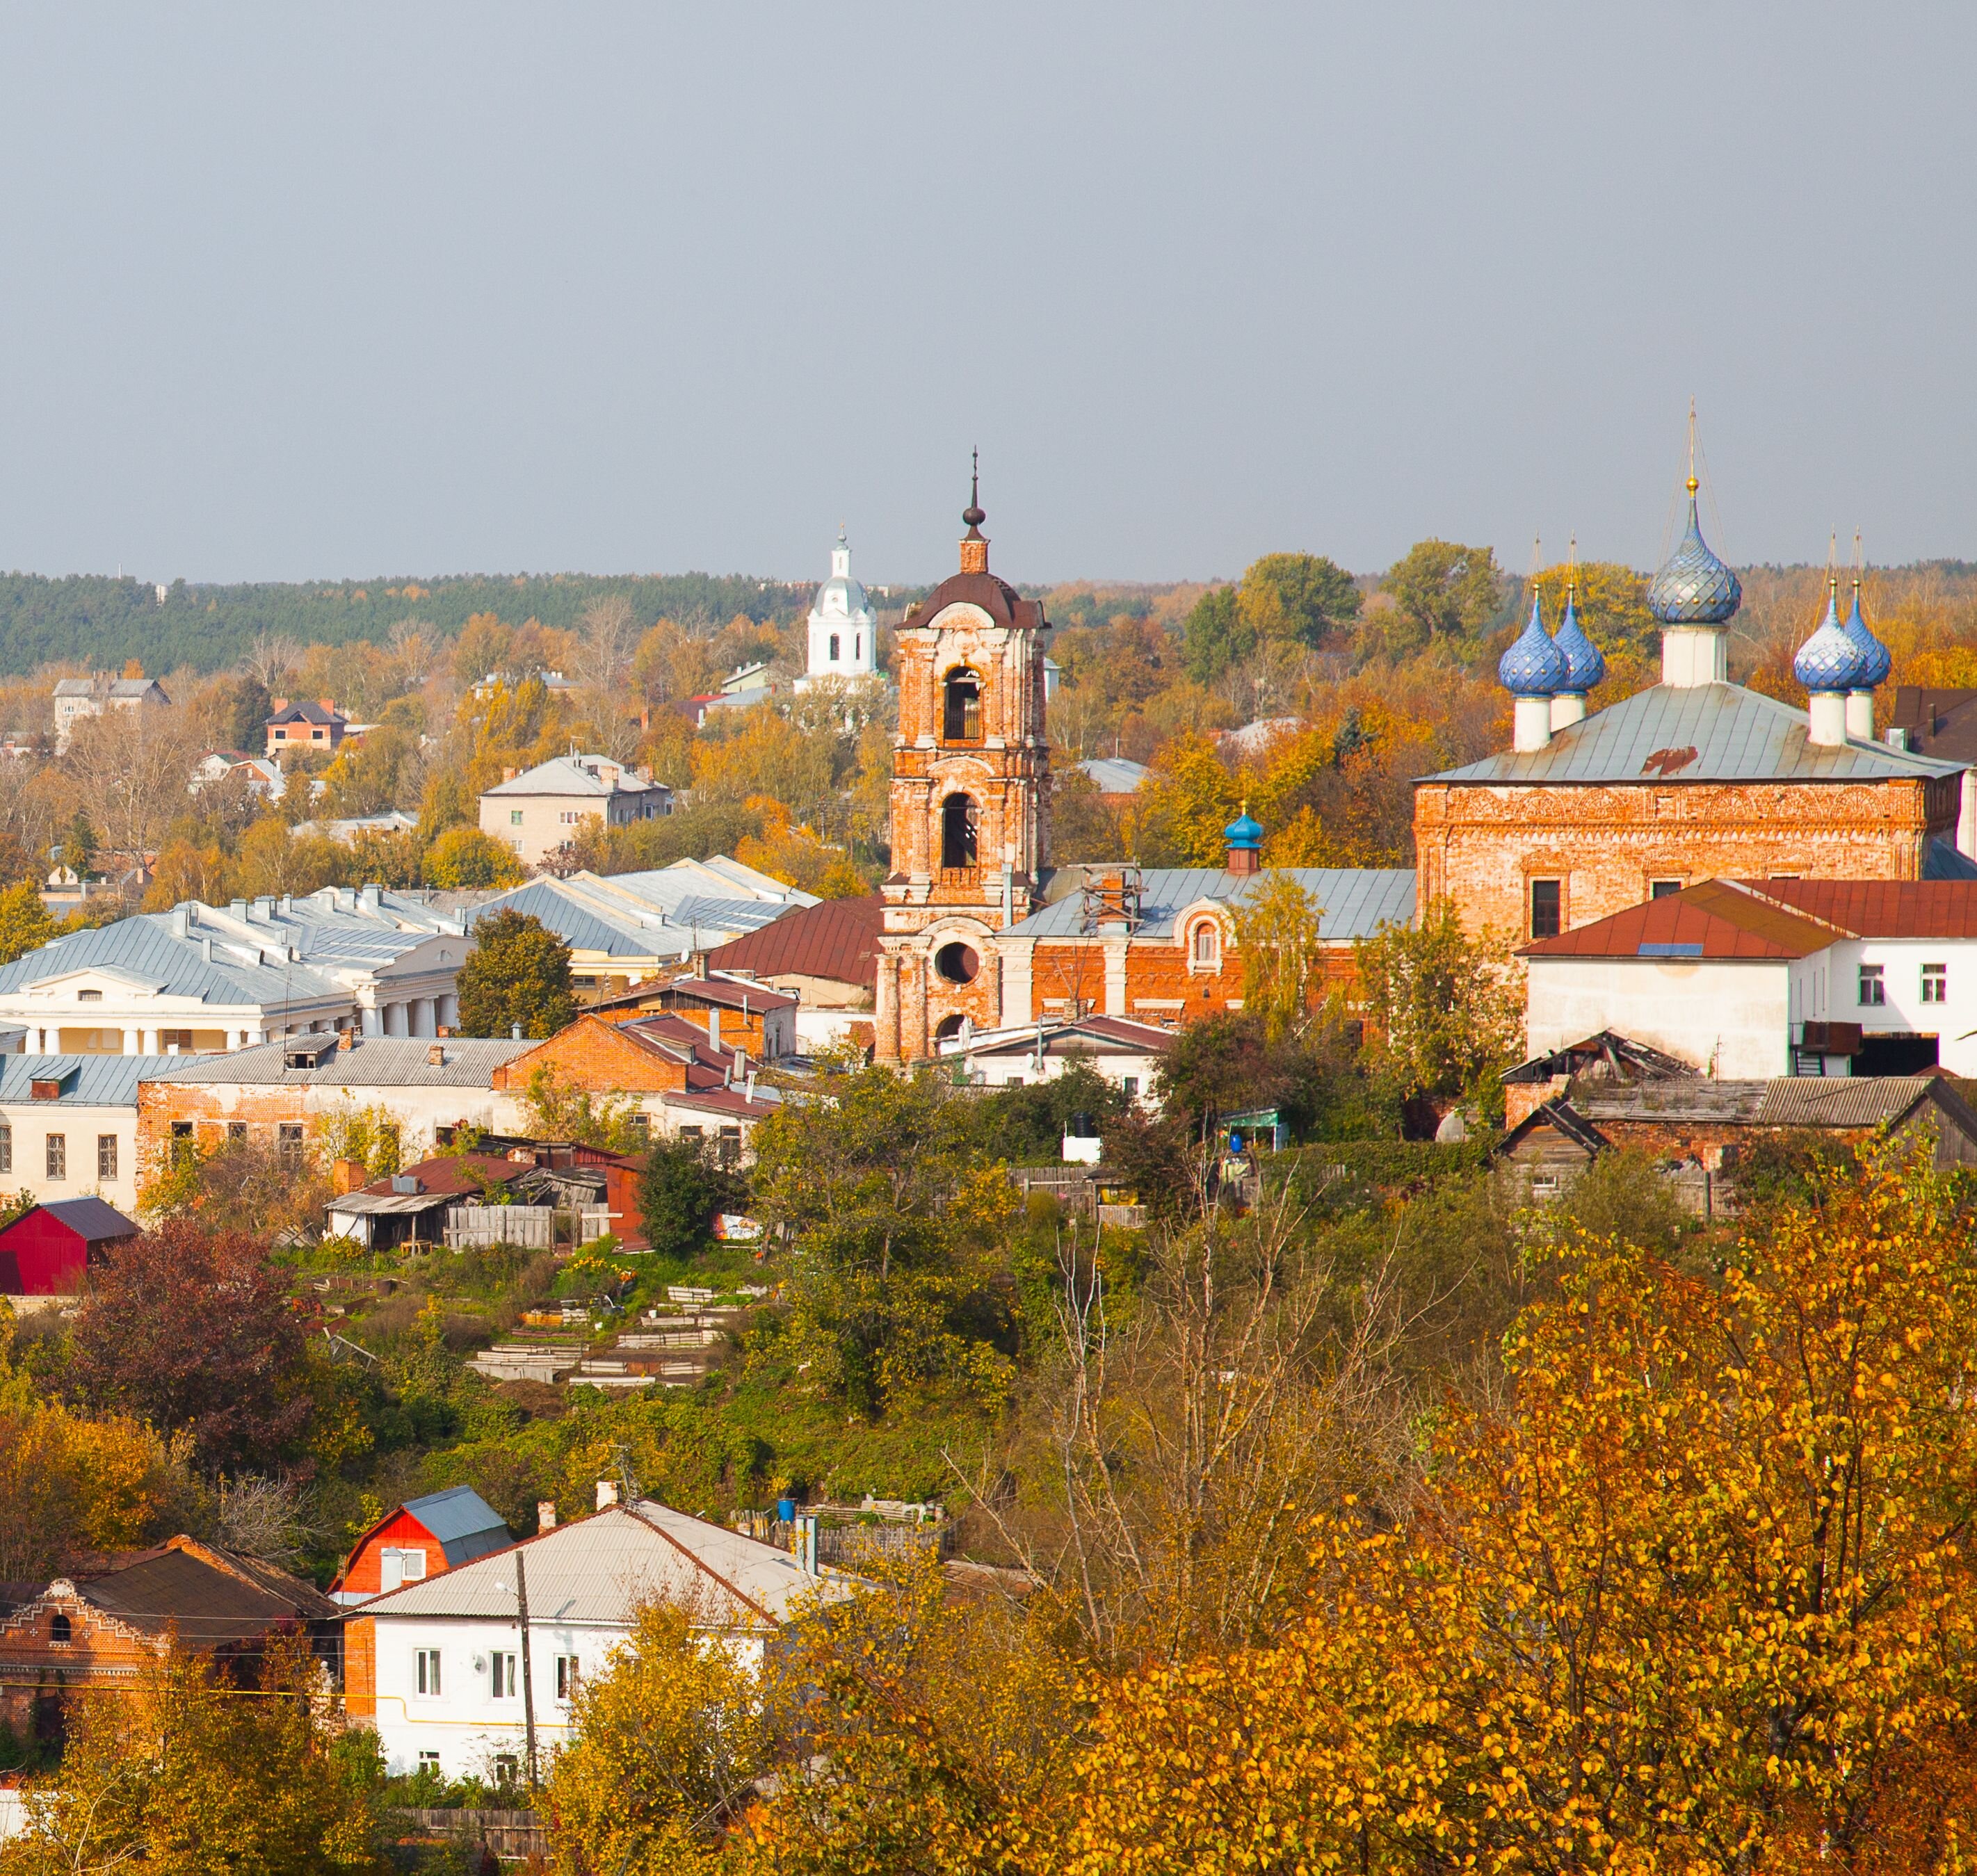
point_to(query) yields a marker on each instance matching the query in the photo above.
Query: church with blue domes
(1590, 811)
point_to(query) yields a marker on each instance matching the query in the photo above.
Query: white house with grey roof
(200, 980)
(78, 697)
(437, 1667)
(542, 808)
(68, 1125)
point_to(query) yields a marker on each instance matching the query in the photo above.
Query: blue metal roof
(143, 946)
(1356, 900)
(1830, 660)
(1585, 663)
(1705, 732)
(99, 1080)
(1532, 665)
(578, 926)
(465, 1524)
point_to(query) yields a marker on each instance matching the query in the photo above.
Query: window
(514, 817)
(428, 1762)
(1663, 888)
(728, 1151)
(106, 1156)
(1207, 952)
(642, 1128)
(6, 1147)
(89, 996)
(1130, 1084)
(171, 1039)
(858, 645)
(957, 963)
(59, 1631)
(962, 718)
(288, 1145)
(506, 1767)
(693, 1133)
(833, 647)
(1873, 988)
(958, 829)
(236, 1131)
(425, 1665)
(566, 1673)
(57, 1156)
(1935, 983)
(396, 1566)
(504, 1671)
(1547, 906)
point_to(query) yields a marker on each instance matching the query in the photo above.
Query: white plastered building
(843, 629)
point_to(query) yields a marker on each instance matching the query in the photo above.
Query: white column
(372, 1023)
(133, 1042)
(421, 1011)
(449, 1010)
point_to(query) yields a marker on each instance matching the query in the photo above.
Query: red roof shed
(46, 1250)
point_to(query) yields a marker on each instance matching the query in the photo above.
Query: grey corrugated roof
(598, 1570)
(581, 927)
(101, 1080)
(567, 775)
(370, 1062)
(1736, 735)
(1116, 775)
(91, 1217)
(1356, 900)
(457, 1514)
(144, 946)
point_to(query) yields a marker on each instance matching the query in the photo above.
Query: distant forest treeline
(99, 622)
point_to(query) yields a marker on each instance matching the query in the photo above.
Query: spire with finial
(1585, 664)
(1694, 588)
(1876, 661)
(974, 543)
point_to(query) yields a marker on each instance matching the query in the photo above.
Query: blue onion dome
(1532, 666)
(1243, 831)
(1694, 588)
(1876, 661)
(1829, 660)
(1585, 663)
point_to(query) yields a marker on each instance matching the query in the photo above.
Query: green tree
(1442, 591)
(79, 845)
(661, 1743)
(1610, 600)
(1445, 1009)
(1277, 937)
(464, 856)
(679, 1191)
(560, 1110)
(517, 973)
(894, 1207)
(1215, 635)
(1298, 598)
(25, 923)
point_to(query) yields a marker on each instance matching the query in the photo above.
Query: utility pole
(528, 1677)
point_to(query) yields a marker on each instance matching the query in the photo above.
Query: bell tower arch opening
(960, 831)
(961, 707)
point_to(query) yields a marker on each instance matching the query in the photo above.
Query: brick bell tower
(970, 801)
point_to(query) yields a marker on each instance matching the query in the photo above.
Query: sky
(312, 292)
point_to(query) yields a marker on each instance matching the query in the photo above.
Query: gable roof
(1065, 1035)
(593, 777)
(1557, 1116)
(1916, 909)
(211, 1596)
(837, 939)
(597, 1569)
(1357, 900)
(1717, 918)
(450, 1174)
(1115, 775)
(1608, 1053)
(1669, 734)
(306, 710)
(723, 993)
(92, 1220)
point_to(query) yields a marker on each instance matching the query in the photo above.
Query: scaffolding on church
(1112, 896)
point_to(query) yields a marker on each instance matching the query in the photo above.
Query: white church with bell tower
(844, 629)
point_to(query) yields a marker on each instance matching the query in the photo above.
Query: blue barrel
(786, 1510)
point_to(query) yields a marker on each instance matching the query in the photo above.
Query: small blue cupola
(1829, 661)
(1585, 664)
(1532, 666)
(1244, 837)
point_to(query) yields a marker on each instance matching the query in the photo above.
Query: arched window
(833, 647)
(958, 821)
(961, 720)
(1207, 944)
(59, 1631)
(947, 1026)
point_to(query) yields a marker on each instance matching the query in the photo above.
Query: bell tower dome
(970, 803)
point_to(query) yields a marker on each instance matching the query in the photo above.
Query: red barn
(423, 1537)
(46, 1250)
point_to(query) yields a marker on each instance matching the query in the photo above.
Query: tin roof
(1702, 733)
(1894, 908)
(87, 1080)
(370, 1061)
(1356, 900)
(210, 1596)
(1716, 919)
(838, 939)
(91, 1219)
(727, 992)
(568, 775)
(597, 1571)
(465, 1524)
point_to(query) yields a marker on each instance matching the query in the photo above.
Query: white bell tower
(842, 626)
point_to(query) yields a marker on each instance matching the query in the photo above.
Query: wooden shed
(46, 1251)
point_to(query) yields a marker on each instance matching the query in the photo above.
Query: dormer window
(89, 996)
(962, 719)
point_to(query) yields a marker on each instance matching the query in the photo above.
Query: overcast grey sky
(349, 289)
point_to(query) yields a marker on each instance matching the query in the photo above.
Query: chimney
(329, 704)
(278, 704)
(546, 1513)
(508, 774)
(346, 1038)
(347, 1174)
(607, 1494)
(374, 898)
(435, 1056)
(714, 1025)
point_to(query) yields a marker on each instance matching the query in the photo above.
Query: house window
(642, 1128)
(503, 1669)
(171, 1039)
(514, 817)
(1207, 944)
(429, 1762)
(1547, 906)
(729, 1150)
(962, 717)
(425, 1669)
(59, 1631)
(1663, 888)
(288, 1145)
(566, 1673)
(237, 1132)
(1130, 1083)
(106, 1156)
(833, 647)
(89, 996)
(181, 1141)
(57, 1156)
(1935, 983)
(1873, 987)
(6, 1147)
(958, 828)
(695, 1134)
(506, 1768)
(395, 1567)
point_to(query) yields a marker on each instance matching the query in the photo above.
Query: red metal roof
(453, 1173)
(1936, 908)
(1715, 919)
(725, 993)
(837, 939)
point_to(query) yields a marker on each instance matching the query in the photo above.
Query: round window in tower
(957, 963)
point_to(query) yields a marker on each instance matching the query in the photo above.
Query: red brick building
(422, 1537)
